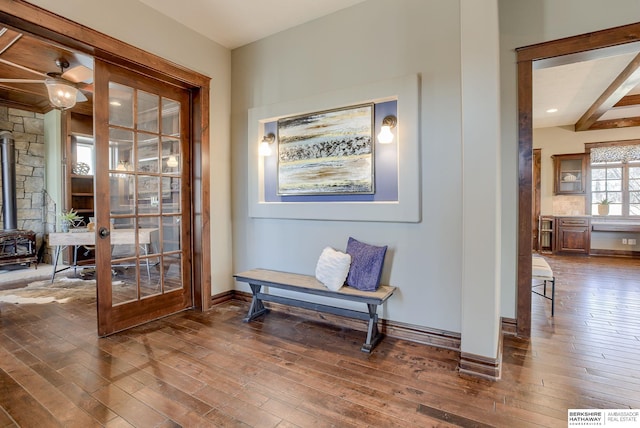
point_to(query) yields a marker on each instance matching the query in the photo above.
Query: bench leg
(257, 307)
(553, 295)
(373, 335)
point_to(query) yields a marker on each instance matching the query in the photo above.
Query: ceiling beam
(629, 100)
(22, 106)
(626, 81)
(616, 123)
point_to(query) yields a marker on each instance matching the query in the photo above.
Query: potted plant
(603, 207)
(69, 219)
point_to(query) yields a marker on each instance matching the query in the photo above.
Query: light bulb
(385, 136)
(265, 148)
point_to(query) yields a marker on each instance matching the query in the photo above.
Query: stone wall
(35, 208)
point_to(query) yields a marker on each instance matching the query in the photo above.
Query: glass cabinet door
(570, 173)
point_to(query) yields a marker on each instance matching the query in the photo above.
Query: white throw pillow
(332, 268)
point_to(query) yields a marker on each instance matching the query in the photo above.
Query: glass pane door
(144, 193)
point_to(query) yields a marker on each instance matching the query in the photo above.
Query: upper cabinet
(570, 174)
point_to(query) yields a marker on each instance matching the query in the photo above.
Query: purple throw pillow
(366, 265)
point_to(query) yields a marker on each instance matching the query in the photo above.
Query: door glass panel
(171, 203)
(120, 150)
(124, 283)
(170, 117)
(171, 268)
(150, 246)
(170, 156)
(171, 233)
(150, 281)
(148, 111)
(149, 194)
(122, 194)
(148, 153)
(120, 105)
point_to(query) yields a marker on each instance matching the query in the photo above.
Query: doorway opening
(526, 58)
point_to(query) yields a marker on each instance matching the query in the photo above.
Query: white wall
(375, 41)
(370, 42)
(53, 157)
(143, 27)
(481, 177)
(523, 23)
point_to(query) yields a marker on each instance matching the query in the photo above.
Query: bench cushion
(366, 265)
(540, 268)
(332, 268)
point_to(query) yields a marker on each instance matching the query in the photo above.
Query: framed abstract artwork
(327, 152)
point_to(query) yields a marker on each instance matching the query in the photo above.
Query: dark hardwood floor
(211, 369)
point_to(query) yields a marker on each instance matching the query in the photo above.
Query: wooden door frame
(536, 183)
(526, 56)
(39, 22)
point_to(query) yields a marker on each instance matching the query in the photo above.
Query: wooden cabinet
(79, 182)
(573, 235)
(82, 195)
(570, 174)
(546, 234)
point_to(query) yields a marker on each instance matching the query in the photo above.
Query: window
(84, 152)
(615, 176)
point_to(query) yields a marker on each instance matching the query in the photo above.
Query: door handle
(103, 232)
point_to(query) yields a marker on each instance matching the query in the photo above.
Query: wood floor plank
(154, 384)
(128, 407)
(22, 406)
(5, 420)
(98, 411)
(218, 418)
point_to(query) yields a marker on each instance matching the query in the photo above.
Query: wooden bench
(257, 278)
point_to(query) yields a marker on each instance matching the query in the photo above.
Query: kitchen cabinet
(546, 234)
(570, 174)
(573, 235)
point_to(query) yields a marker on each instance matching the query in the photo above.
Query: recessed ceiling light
(552, 110)
(115, 103)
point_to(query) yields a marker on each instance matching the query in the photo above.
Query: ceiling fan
(64, 87)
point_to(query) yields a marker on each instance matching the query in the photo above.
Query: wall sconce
(265, 145)
(386, 136)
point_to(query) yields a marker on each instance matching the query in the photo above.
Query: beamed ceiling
(591, 90)
(20, 53)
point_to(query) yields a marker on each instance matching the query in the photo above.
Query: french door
(142, 199)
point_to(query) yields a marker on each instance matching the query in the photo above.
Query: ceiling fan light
(62, 95)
